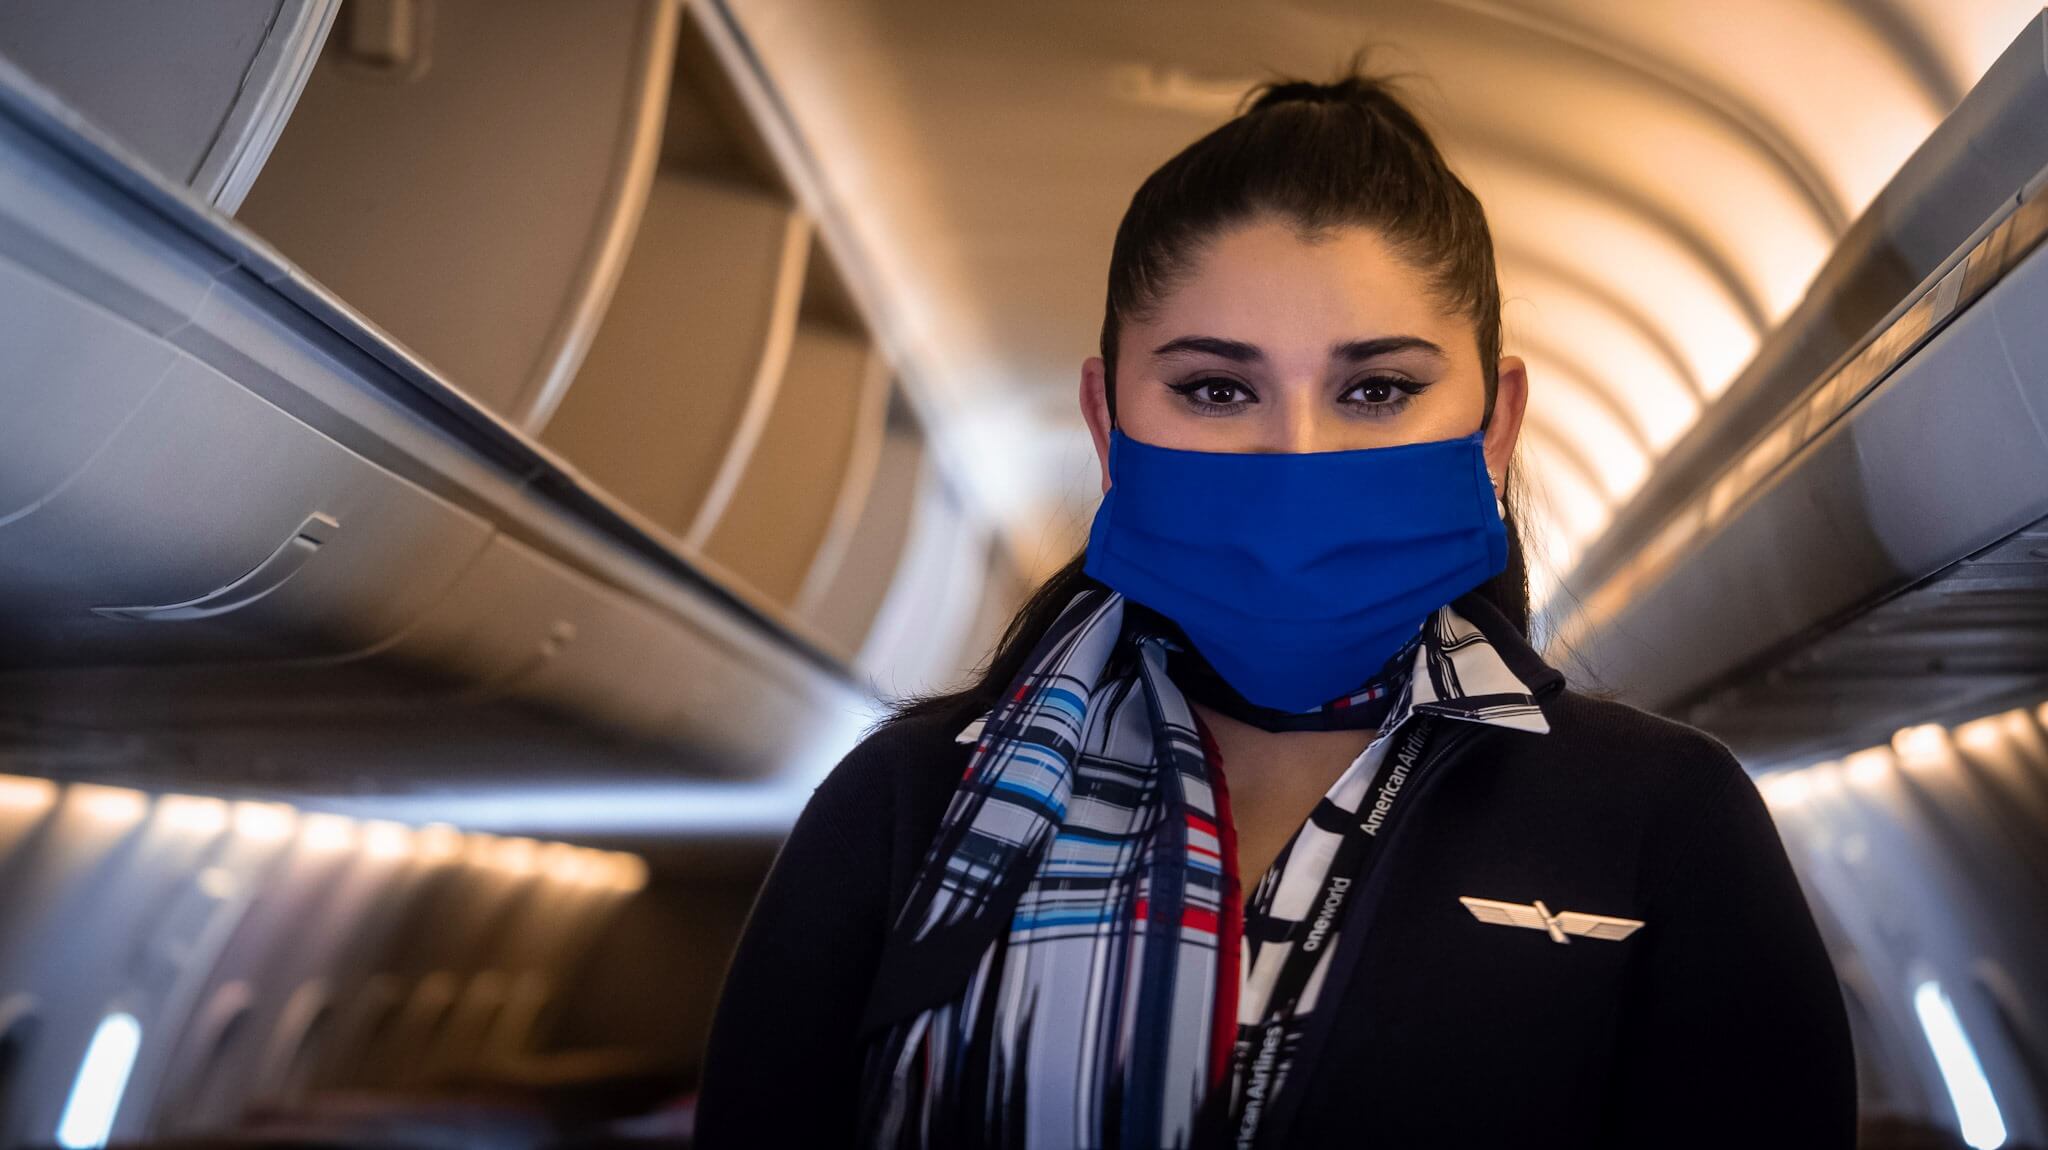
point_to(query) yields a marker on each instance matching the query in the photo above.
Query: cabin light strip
(375, 841)
(1917, 749)
(1927, 750)
(1968, 1090)
(95, 1098)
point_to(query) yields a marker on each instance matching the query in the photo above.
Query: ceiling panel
(1663, 180)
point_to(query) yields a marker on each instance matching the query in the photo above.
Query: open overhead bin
(469, 173)
(683, 372)
(842, 604)
(786, 524)
(200, 92)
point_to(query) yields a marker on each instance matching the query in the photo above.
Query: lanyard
(1264, 1051)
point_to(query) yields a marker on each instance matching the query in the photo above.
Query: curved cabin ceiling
(1663, 181)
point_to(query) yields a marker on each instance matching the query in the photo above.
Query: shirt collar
(1472, 664)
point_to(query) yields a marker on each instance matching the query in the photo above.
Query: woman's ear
(1510, 400)
(1095, 409)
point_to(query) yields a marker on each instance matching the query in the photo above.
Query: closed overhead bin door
(214, 526)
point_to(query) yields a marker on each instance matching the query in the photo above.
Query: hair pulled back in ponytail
(1320, 156)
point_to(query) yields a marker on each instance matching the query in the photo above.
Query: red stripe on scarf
(1230, 928)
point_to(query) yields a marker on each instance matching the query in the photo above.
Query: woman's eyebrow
(1231, 349)
(1362, 349)
(1351, 351)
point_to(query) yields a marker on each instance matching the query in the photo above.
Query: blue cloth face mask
(1297, 575)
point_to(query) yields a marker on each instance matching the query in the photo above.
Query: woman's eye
(1385, 392)
(1214, 393)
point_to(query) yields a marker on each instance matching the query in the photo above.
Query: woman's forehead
(1263, 283)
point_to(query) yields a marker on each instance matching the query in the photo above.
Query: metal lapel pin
(1538, 917)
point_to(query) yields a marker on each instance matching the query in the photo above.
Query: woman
(1484, 909)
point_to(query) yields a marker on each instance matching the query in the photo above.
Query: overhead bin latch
(261, 580)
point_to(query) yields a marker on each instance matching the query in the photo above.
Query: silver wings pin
(1538, 917)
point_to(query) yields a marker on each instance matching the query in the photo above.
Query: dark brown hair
(1320, 156)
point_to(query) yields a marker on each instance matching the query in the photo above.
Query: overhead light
(23, 794)
(386, 840)
(628, 873)
(559, 861)
(1174, 88)
(1825, 779)
(515, 856)
(438, 842)
(265, 822)
(479, 849)
(193, 814)
(1981, 736)
(1923, 746)
(697, 809)
(115, 806)
(326, 833)
(1976, 1107)
(1869, 767)
(1785, 790)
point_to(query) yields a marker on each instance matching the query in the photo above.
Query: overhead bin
(231, 505)
(842, 605)
(1964, 174)
(684, 370)
(919, 635)
(1862, 557)
(122, 541)
(1003, 590)
(681, 377)
(1852, 567)
(48, 433)
(272, 541)
(521, 627)
(199, 92)
(233, 508)
(469, 173)
(788, 521)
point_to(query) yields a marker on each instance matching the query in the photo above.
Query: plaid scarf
(1058, 972)
(1081, 872)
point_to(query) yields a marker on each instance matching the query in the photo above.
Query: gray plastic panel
(1942, 459)
(72, 374)
(1962, 175)
(155, 523)
(2020, 309)
(198, 91)
(52, 225)
(161, 77)
(525, 628)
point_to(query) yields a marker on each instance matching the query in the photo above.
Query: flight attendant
(1265, 826)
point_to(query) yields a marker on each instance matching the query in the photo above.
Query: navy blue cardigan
(1718, 1023)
